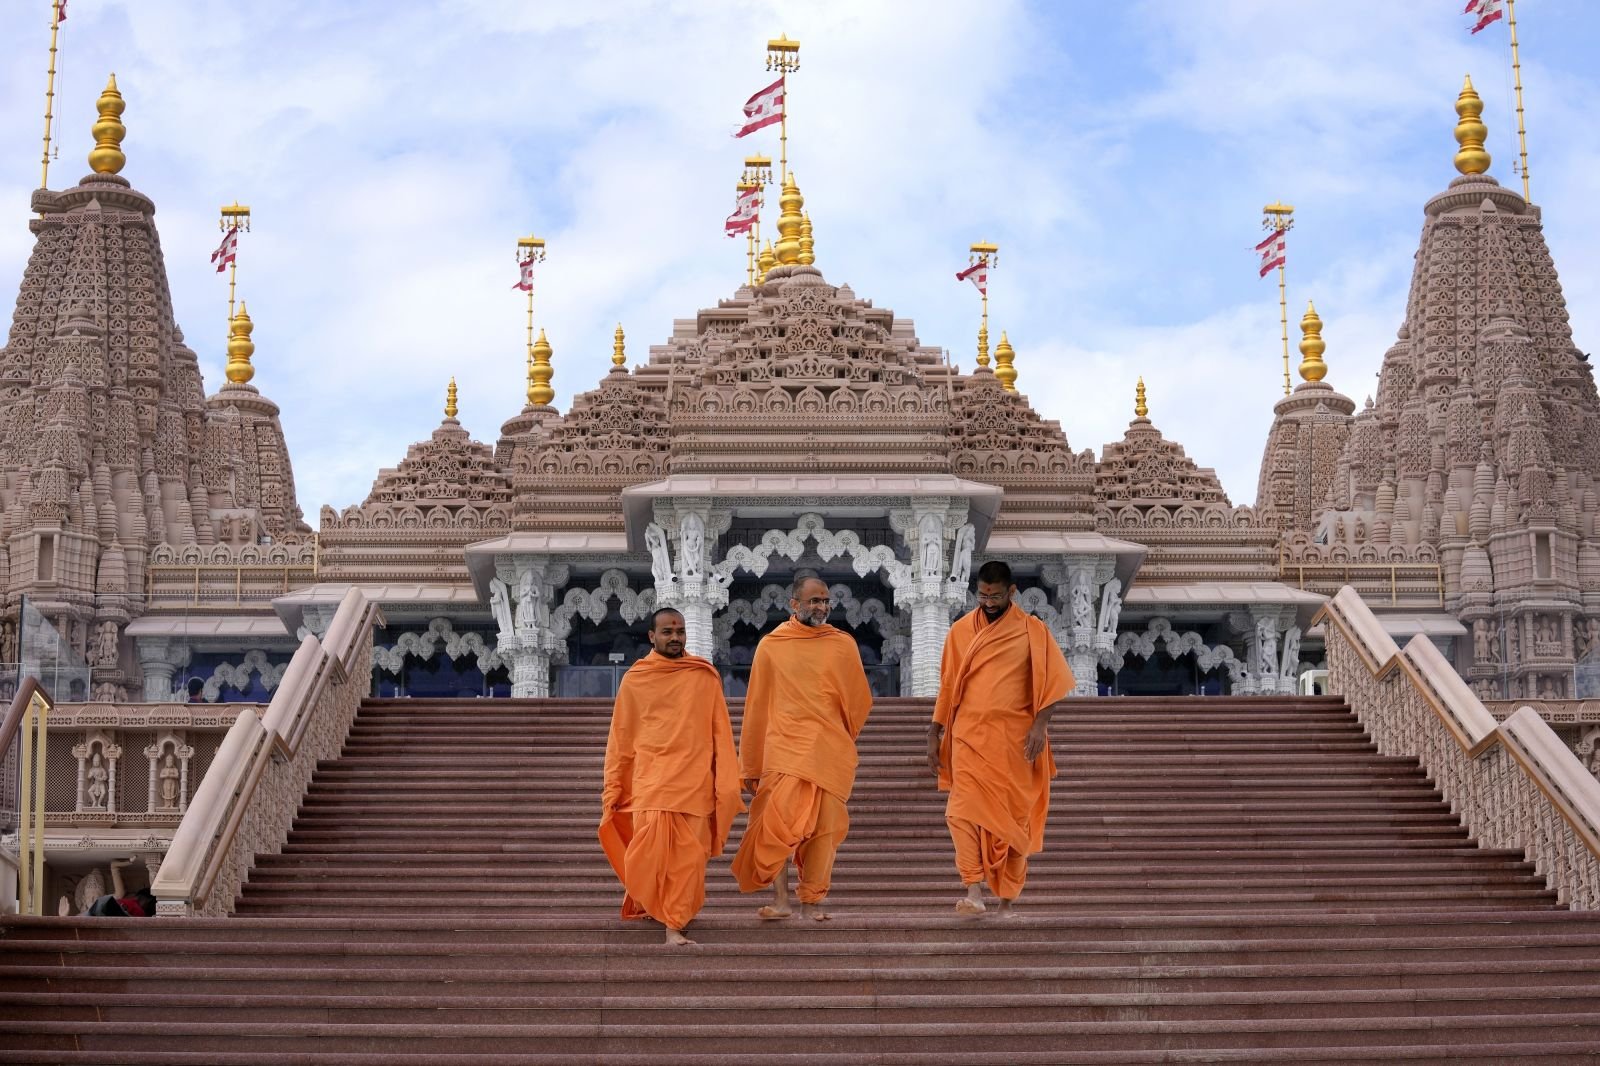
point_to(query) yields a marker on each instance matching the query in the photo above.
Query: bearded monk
(989, 743)
(807, 702)
(671, 780)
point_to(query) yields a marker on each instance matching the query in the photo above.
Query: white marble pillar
(521, 592)
(687, 528)
(160, 658)
(921, 590)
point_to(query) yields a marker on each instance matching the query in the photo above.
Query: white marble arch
(238, 676)
(439, 636)
(792, 545)
(594, 604)
(773, 599)
(1159, 630)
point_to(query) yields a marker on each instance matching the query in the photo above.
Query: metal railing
(1356, 573)
(265, 580)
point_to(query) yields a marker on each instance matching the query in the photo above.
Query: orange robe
(807, 702)
(671, 786)
(994, 680)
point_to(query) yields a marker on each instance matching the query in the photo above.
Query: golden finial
(983, 344)
(1003, 356)
(807, 245)
(619, 355)
(1470, 131)
(1140, 408)
(540, 372)
(790, 222)
(1312, 368)
(240, 347)
(108, 130)
(450, 400)
(768, 260)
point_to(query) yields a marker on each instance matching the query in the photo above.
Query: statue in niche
(97, 775)
(655, 538)
(1361, 530)
(8, 642)
(105, 652)
(500, 605)
(1082, 607)
(961, 563)
(1266, 645)
(1589, 641)
(1480, 642)
(1291, 652)
(930, 544)
(527, 602)
(1110, 607)
(1513, 643)
(692, 530)
(1547, 690)
(169, 782)
(1338, 530)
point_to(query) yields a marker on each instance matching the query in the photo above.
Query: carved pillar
(529, 643)
(921, 588)
(689, 526)
(1264, 667)
(314, 620)
(1090, 605)
(160, 658)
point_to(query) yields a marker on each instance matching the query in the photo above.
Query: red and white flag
(228, 250)
(1484, 12)
(61, 10)
(1273, 251)
(525, 277)
(746, 212)
(978, 274)
(763, 109)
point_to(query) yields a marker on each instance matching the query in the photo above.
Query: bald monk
(807, 702)
(671, 780)
(989, 741)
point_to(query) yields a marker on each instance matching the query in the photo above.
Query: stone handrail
(244, 805)
(1514, 784)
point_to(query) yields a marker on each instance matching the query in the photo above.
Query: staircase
(1225, 880)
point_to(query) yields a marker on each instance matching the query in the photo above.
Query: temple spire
(1312, 368)
(1140, 408)
(1004, 355)
(791, 220)
(240, 348)
(450, 407)
(1470, 131)
(540, 372)
(808, 253)
(108, 130)
(619, 353)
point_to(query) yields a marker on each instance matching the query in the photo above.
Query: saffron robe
(671, 786)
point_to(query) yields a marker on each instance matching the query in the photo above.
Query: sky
(1119, 154)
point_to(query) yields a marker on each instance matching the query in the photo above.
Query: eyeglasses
(816, 602)
(993, 597)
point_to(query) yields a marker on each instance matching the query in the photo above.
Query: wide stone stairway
(1225, 880)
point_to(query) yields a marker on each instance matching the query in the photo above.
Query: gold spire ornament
(1312, 368)
(768, 260)
(50, 94)
(540, 372)
(808, 247)
(783, 56)
(791, 220)
(1470, 131)
(106, 157)
(239, 370)
(1279, 218)
(1140, 408)
(1004, 354)
(619, 354)
(450, 400)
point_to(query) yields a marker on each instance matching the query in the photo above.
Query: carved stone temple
(793, 424)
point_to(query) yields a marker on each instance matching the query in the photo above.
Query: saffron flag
(525, 278)
(228, 250)
(1484, 11)
(746, 211)
(763, 109)
(978, 274)
(1273, 251)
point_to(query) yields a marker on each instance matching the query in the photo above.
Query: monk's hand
(935, 737)
(1035, 742)
(751, 784)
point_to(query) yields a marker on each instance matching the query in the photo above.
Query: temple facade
(795, 424)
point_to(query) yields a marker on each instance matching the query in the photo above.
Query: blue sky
(1119, 153)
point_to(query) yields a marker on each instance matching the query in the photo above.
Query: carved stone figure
(1589, 641)
(1266, 645)
(1513, 642)
(1082, 606)
(97, 776)
(1480, 642)
(930, 544)
(655, 539)
(169, 782)
(1290, 663)
(105, 652)
(693, 532)
(527, 602)
(500, 605)
(1110, 606)
(961, 562)
(8, 642)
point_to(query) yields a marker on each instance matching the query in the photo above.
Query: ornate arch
(439, 636)
(596, 604)
(1175, 644)
(792, 545)
(254, 662)
(857, 612)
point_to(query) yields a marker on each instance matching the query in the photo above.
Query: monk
(807, 702)
(671, 780)
(989, 742)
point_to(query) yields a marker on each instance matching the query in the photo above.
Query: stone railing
(1514, 784)
(245, 804)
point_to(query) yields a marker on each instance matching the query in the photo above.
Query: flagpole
(783, 56)
(1516, 73)
(757, 173)
(50, 94)
(530, 249)
(237, 217)
(739, 191)
(984, 254)
(1280, 219)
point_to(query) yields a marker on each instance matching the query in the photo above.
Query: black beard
(670, 654)
(993, 613)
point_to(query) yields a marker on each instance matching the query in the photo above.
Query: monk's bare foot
(772, 913)
(815, 911)
(675, 938)
(968, 905)
(1008, 908)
